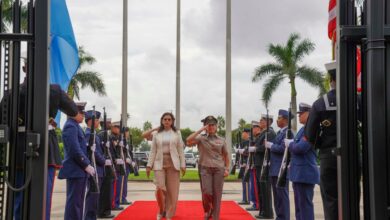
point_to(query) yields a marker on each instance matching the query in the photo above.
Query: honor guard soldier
(91, 204)
(127, 151)
(243, 160)
(321, 132)
(281, 198)
(76, 165)
(254, 174)
(58, 101)
(105, 197)
(119, 165)
(303, 171)
(265, 197)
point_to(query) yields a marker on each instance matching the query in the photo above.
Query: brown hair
(173, 122)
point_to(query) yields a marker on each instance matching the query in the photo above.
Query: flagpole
(124, 66)
(228, 75)
(178, 66)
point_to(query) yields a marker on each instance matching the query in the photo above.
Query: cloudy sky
(152, 50)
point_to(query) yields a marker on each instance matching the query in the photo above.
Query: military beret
(81, 106)
(209, 120)
(303, 107)
(247, 130)
(89, 114)
(255, 124)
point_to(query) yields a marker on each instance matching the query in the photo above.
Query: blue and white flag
(64, 58)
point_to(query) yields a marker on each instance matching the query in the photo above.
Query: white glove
(252, 149)
(127, 146)
(268, 144)
(236, 150)
(121, 144)
(128, 160)
(241, 151)
(90, 170)
(287, 142)
(133, 164)
(108, 144)
(108, 163)
(119, 161)
(93, 147)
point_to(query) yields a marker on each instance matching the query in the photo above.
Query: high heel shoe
(159, 216)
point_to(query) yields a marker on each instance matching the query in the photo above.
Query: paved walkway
(188, 191)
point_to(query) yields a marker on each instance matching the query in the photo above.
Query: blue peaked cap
(283, 113)
(88, 115)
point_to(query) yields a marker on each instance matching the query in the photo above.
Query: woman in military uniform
(214, 163)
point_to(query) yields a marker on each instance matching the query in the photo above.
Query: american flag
(332, 19)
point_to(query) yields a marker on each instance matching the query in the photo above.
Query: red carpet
(186, 210)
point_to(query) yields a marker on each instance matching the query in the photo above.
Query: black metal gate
(24, 108)
(373, 36)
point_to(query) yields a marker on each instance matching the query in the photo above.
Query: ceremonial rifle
(109, 170)
(133, 169)
(237, 159)
(282, 177)
(249, 163)
(94, 180)
(119, 149)
(266, 160)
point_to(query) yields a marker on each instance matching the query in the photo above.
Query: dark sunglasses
(167, 119)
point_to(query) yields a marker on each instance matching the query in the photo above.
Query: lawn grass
(191, 176)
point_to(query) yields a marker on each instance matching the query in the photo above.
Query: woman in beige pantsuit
(166, 159)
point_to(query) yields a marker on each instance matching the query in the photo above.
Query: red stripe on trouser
(114, 195)
(255, 187)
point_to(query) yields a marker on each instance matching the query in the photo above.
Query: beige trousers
(167, 183)
(211, 185)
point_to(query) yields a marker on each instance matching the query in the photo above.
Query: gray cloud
(152, 37)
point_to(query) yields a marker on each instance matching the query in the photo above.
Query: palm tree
(287, 65)
(7, 16)
(241, 124)
(221, 126)
(86, 78)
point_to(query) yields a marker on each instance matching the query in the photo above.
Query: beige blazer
(176, 145)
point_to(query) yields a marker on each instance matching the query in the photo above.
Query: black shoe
(243, 203)
(263, 217)
(126, 203)
(252, 209)
(117, 208)
(106, 216)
